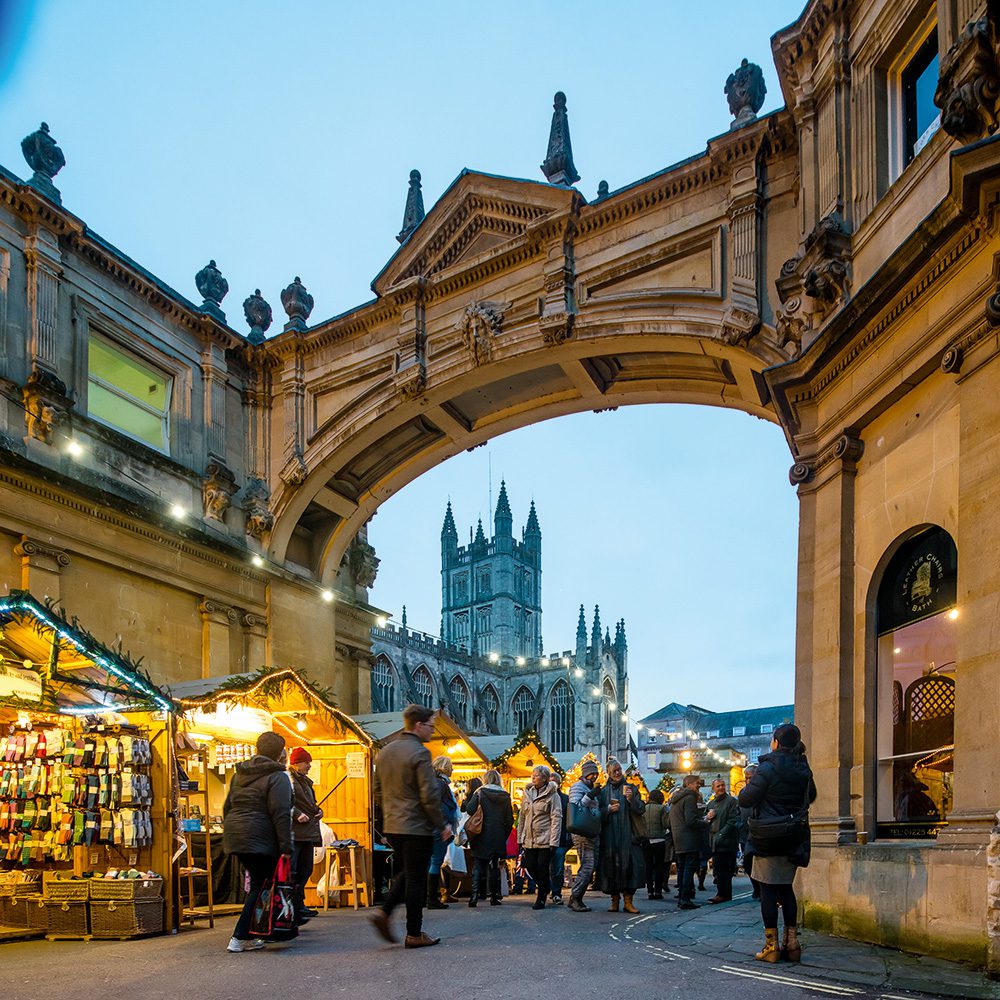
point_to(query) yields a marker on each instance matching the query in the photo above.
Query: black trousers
(724, 866)
(687, 865)
(656, 859)
(486, 877)
(261, 868)
(302, 866)
(411, 857)
(773, 896)
(537, 861)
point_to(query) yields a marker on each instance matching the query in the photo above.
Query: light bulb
(178, 511)
(327, 595)
(301, 725)
(256, 560)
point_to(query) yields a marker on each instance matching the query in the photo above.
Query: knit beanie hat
(270, 745)
(300, 755)
(589, 767)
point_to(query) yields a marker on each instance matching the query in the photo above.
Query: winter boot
(577, 905)
(790, 947)
(628, 907)
(770, 952)
(539, 903)
(702, 872)
(613, 908)
(493, 881)
(474, 891)
(434, 893)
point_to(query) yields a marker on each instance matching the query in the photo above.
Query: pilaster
(43, 262)
(216, 621)
(42, 565)
(213, 373)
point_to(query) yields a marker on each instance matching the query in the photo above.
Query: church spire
(502, 515)
(480, 538)
(558, 166)
(413, 214)
(595, 637)
(581, 638)
(621, 644)
(448, 529)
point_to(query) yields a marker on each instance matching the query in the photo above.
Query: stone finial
(413, 214)
(213, 288)
(298, 303)
(46, 160)
(258, 316)
(745, 90)
(558, 166)
(602, 190)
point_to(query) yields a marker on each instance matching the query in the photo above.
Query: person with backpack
(779, 795)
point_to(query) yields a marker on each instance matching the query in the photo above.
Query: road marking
(804, 984)
(661, 951)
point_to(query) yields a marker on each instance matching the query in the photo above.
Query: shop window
(128, 394)
(424, 685)
(523, 707)
(383, 684)
(561, 719)
(917, 644)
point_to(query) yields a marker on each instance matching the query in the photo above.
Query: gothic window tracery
(491, 706)
(384, 684)
(424, 685)
(561, 719)
(522, 708)
(610, 743)
(460, 695)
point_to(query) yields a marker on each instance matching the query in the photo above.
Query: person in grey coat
(257, 825)
(583, 794)
(687, 829)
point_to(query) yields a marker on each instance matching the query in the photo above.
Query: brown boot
(613, 908)
(790, 947)
(770, 951)
(628, 907)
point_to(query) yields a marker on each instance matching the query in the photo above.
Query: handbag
(474, 824)
(274, 912)
(582, 821)
(778, 837)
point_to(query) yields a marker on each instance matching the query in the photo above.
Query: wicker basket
(26, 911)
(126, 918)
(66, 890)
(13, 912)
(68, 917)
(126, 889)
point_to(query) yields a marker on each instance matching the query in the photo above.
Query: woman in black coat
(781, 788)
(490, 844)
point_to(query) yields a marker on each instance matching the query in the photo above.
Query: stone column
(44, 264)
(41, 567)
(4, 283)
(216, 621)
(254, 641)
(213, 373)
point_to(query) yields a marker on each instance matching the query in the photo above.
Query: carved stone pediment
(813, 284)
(969, 82)
(46, 404)
(476, 215)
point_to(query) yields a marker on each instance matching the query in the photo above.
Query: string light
(327, 595)
(178, 511)
(256, 560)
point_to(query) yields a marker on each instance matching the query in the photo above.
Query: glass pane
(125, 373)
(125, 415)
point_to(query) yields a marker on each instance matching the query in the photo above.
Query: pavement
(509, 951)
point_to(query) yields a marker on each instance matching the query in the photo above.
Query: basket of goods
(120, 918)
(67, 917)
(141, 885)
(61, 890)
(19, 904)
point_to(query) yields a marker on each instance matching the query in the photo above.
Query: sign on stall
(17, 683)
(355, 765)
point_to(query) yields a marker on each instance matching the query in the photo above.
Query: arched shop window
(917, 629)
(460, 695)
(523, 707)
(383, 684)
(562, 729)
(424, 685)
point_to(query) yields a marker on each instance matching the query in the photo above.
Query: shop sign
(17, 683)
(907, 831)
(355, 765)
(920, 581)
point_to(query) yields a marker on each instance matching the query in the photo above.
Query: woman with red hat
(306, 814)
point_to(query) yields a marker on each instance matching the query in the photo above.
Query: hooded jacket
(257, 815)
(687, 826)
(498, 818)
(781, 787)
(540, 821)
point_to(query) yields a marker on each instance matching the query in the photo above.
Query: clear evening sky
(278, 139)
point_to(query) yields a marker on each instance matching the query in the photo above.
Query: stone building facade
(833, 267)
(494, 677)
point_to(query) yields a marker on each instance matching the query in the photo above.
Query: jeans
(656, 856)
(586, 849)
(260, 868)
(557, 870)
(438, 853)
(724, 866)
(486, 877)
(410, 861)
(537, 861)
(687, 865)
(302, 867)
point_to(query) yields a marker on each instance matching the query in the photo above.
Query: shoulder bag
(582, 821)
(474, 824)
(780, 836)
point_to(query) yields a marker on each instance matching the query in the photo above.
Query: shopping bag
(455, 859)
(274, 912)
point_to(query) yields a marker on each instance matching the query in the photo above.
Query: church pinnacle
(448, 528)
(413, 214)
(532, 527)
(558, 166)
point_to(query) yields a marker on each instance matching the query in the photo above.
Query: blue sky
(278, 141)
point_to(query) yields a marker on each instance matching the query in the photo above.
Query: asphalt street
(499, 952)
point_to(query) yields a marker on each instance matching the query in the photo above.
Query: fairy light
(256, 560)
(327, 595)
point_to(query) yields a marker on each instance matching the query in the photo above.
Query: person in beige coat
(539, 828)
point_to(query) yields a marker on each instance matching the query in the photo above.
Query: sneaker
(555, 900)
(235, 944)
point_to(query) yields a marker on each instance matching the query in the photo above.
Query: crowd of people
(622, 843)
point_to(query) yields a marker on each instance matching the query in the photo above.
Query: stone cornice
(796, 43)
(943, 239)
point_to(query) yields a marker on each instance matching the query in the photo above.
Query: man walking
(583, 796)
(725, 833)
(411, 818)
(686, 826)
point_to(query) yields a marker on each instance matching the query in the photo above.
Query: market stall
(221, 718)
(516, 757)
(85, 782)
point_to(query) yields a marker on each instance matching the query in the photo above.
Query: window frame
(897, 161)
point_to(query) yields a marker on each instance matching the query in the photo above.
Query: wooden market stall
(516, 757)
(219, 725)
(85, 782)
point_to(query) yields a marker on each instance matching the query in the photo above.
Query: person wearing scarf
(621, 869)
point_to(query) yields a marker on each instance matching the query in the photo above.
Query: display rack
(187, 798)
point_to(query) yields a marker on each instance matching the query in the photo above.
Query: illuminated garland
(576, 771)
(20, 605)
(521, 743)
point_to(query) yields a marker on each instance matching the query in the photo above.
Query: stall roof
(382, 726)
(278, 691)
(518, 752)
(79, 670)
